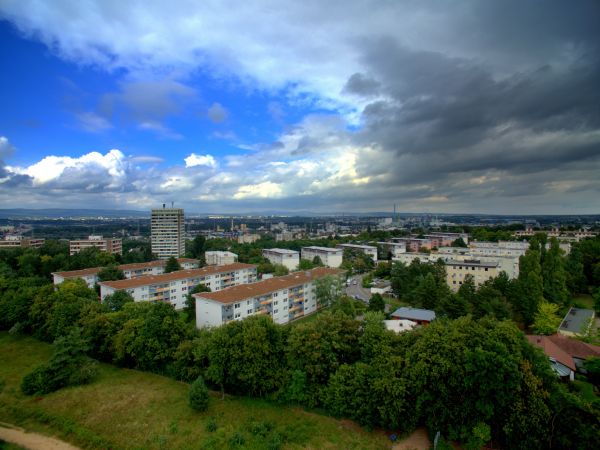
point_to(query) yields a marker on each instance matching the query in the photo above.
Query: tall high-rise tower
(167, 230)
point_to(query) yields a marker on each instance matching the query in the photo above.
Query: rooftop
(409, 313)
(366, 247)
(281, 251)
(243, 291)
(173, 276)
(575, 347)
(472, 262)
(132, 266)
(552, 350)
(576, 319)
(321, 249)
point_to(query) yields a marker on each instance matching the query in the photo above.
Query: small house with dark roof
(419, 316)
(576, 321)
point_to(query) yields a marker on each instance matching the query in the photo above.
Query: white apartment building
(173, 287)
(456, 271)
(331, 257)
(220, 258)
(409, 257)
(282, 256)
(500, 248)
(506, 263)
(15, 241)
(395, 248)
(368, 250)
(282, 298)
(108, 245)
(167, 231)
(90, 276)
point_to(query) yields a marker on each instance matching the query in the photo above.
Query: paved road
(356, 290)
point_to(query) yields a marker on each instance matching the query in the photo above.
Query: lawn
(130, 409)
(584, 300)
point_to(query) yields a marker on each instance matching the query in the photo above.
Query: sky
(458, 106)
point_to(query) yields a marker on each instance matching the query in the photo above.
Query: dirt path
(31, 441)
(418, 440)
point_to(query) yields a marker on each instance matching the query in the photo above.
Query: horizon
(482, 108)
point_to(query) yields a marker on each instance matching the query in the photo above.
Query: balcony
(266, 302)
(295, 308)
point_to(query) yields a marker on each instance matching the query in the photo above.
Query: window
(276, 302)
(486, 269)
(237, 305)
(275, 311)
(237, 315)
(250, 311)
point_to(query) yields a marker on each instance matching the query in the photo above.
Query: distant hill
(56, 213)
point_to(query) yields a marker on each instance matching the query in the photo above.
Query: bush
(198, 396)
(211, 425)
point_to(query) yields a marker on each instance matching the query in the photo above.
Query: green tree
(117, 300)
(546, 320)
(459, 243)
(111, 273)
(68, 366)
(196, 247)
(328, 290)
(555, 276)
(280, 270)
(172, 265)
(317, 261)
(530, 287)
(376, 303)
(190, 300)
(198, 395)
(305, 264)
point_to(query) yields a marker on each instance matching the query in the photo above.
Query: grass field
(131, 409)
(584, 300)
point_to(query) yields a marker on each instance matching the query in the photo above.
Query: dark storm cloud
(437, 108)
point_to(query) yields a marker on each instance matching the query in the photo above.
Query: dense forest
(471, 374)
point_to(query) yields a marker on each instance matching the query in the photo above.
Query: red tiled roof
(78, 273)
(552, 350)
(242, 291)
(172, 276)
(132, 266)
(575, 347)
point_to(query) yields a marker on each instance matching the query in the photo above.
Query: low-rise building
(330, 257)
(173, 287)
(282, 256)
(282, 298)
(108, 245)
(481, 271)
(500, 248)
(220, 258)
(506, 263)
(393, 248)
(576, 322)
(414, 244)
(284, 236)
(368, 250)
(381, 287)
(134, 270)
(417, 315)
(399, 325)
(409, 257)
(248, 238)
(12, 241)
(561, 362)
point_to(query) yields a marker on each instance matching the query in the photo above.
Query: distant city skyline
(438, 107)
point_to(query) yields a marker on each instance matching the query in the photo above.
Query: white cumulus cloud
(200, 160)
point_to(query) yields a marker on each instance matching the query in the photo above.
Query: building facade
(167, 232)
(12, 241)
(108, 245)
(330, 257)
(173, 287)
(283, 257)
(282, 298)
(219, 258)
(368, 250)
(457, 271)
